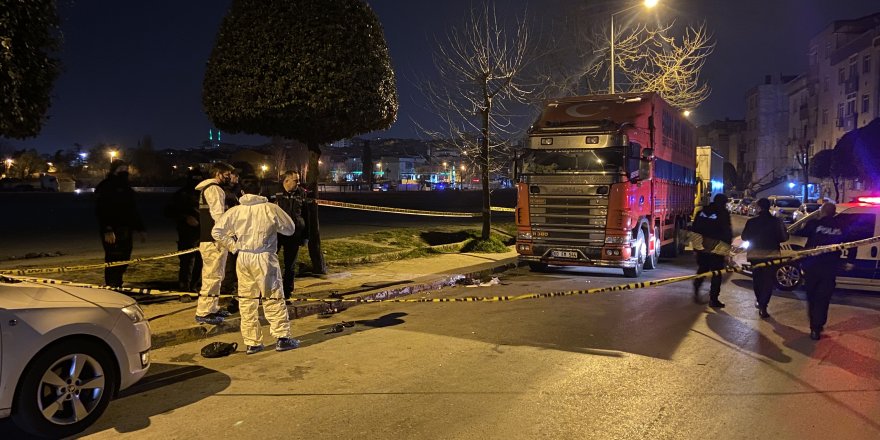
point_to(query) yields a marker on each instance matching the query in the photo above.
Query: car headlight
(134, 312)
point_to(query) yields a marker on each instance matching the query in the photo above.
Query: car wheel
(788, 277)
(65, 388)
(651, 260)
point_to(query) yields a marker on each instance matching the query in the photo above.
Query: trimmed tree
(29, 40)
(311, 70)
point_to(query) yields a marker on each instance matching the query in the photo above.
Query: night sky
(135, 68)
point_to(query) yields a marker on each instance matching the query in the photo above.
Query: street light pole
(648, 4)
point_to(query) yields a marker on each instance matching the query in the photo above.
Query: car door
(859, 225)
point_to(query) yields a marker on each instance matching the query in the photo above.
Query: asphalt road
(635, 364)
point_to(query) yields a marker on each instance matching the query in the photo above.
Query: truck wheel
(640, 251)
(788, 277)
(651, 260)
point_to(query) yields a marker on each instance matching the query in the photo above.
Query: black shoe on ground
(716, 304)
(815, 334)
(762, 312)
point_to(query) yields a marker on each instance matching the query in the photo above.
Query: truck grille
(568, 219)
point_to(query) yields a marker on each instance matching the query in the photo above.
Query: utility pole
(803, 158)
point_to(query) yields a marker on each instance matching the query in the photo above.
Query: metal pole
(612, 54)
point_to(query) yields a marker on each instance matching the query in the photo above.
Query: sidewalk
(173, 322)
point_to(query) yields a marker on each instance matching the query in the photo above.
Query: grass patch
(491, 246)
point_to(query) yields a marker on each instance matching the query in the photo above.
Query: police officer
(118, 219)
(764, 233)
(820, 270)
(184, 210)
(292, 199)
(713, 223)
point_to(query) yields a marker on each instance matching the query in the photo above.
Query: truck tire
(640, 249)
(674, 249)
(651, 260)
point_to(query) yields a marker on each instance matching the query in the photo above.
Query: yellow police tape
(616, 288)
(39, 270)
(375, 208)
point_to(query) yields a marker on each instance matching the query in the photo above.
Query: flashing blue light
(790, 185)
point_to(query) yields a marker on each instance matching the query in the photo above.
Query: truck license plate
(564, 254)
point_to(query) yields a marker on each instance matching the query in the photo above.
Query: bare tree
(480, 70)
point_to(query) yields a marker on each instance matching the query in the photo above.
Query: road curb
(232, 323)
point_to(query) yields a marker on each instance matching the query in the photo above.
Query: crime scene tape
(422, 212)
(43, 270)
(616, 288)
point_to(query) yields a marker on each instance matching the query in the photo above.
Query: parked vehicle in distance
(752, 209)
(783, 207)
(733, 205)
(861, 220)
(65, 352)
(805, 209)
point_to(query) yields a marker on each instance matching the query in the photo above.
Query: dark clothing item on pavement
(764, 233)
(117, 213)
(293, 203)
(821, 270)
(713, 223)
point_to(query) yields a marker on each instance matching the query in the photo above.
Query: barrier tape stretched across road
(616, 288)
(43, 270)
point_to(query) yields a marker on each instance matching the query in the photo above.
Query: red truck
(606, 180)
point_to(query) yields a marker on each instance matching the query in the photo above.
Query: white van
(862, 220)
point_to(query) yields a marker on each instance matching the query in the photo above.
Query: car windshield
(810, 207)
(798, 225)
(787, 203)
(572, 161)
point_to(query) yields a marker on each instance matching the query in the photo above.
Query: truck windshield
(573, 161)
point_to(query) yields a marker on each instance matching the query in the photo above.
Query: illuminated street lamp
(113, 155)
(648, 4)
(8, 165)
(686, 113)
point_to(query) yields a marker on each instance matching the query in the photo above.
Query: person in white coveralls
(251, 230)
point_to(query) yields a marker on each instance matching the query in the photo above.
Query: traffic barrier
(61, 269)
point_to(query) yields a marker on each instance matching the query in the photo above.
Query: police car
(861, 220)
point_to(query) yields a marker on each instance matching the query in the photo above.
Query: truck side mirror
(645, 168)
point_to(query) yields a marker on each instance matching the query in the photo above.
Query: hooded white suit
(251, 229)
(213, 255)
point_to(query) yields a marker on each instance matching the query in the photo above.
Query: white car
(784, 207)
(862, 220)
(65, 352)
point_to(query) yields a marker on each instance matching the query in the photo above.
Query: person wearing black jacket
(821, 270)
(713, 223)
(184, 210)
(292, 199)
(118, 219)
(764, 233)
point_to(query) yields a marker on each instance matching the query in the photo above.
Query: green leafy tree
(842, 169)
(820, 167)
(29, 40)
(26, 163)
(311, 70)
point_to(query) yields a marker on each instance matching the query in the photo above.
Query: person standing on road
(184, 209)
(292, 200)
(821, 270)
(713, 223)
(251, 230)
(212, 205)
(118, 219)
(230, 279)
(764, 233)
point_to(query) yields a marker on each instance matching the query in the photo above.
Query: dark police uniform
(293, 203)
(184, 208)
(713, 223)
(117, 213)
(764, 233)
(821, 270)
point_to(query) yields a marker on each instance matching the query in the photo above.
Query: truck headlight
(524, 236)
(616, 240)
(134, 312)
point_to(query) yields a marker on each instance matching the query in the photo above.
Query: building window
(824, 116)
(850, 107)
(841, 75)
(866, 103)
(825, 85)
(866, 64)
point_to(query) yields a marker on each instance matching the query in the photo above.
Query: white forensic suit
(251, 229)
(213, 255)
